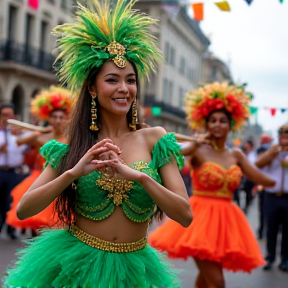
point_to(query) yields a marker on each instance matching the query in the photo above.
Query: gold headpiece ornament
(105, 31)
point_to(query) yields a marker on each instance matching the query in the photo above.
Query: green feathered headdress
(102, 32)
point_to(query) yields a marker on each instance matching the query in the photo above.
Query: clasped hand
(105, 158)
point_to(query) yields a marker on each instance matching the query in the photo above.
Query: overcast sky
(253, 40)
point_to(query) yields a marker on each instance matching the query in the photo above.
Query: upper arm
(45, 177)
(266, 157)
(167, 158)
(172, 179)
(248, 169)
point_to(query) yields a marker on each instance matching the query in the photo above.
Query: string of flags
(273, 111)
(198, 8)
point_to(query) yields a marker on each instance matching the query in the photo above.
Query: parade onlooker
(248, 185)
(275, 163)
(11, 161)
(265, 143)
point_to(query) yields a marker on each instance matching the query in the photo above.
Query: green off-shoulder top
(97, 196)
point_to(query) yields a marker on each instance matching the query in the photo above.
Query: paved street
(257, 279)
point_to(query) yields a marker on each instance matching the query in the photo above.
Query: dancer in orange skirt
(219, 236)
(51, 105)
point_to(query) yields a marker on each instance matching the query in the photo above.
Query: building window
(43, 39)
(167, 51)
(182, 66)
(172, 56)
(181, 97)
(165, 90)
(170, 92)
(12, 24)
(29, 31)
(190, 74)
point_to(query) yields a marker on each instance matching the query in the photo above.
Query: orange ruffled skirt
(43, 219)
(219, 232)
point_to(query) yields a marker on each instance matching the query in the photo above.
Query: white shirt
(14, 156)
(274, 171)
(252, 156)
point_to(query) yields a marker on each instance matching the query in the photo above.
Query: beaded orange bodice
(211, 179)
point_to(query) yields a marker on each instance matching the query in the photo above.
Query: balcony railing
(151, 102)
(26, 55)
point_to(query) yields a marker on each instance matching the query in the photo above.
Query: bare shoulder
(238, 154)
(152, 135)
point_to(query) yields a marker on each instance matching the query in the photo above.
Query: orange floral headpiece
(216, 96)
(54, 98)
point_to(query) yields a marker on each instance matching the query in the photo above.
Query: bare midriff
(116, 228)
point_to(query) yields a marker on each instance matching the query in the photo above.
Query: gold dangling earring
(93, 127)
(134, 117)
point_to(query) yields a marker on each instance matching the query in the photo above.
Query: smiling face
(115, 87)
(218, 124)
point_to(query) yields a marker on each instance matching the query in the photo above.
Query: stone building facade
(214, 69)
(26, 46)
(26, 58)
(183, 44)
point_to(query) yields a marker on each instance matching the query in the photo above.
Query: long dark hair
(81, 139)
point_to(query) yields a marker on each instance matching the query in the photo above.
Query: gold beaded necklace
(216, 148)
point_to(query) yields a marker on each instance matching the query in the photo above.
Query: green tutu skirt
(57, 259)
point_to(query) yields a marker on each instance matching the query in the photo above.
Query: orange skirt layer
(219, 232)
(43, 219)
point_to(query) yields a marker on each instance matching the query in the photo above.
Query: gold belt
(219, 194)
(106, 245)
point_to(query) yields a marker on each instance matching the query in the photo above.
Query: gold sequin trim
(94, 208)
(106, 245)
(117, 188)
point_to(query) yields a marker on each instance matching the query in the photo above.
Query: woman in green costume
(106, 193)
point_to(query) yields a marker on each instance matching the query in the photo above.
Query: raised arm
(267, 157)
(189, 148)
(251, 171)
(28, 139)
(49, 185)
(172, 196)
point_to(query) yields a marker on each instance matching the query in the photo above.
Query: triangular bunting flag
(223, 5)
(283, 110)
(273, 111)
(253, 110)
(34, 4)
(198, 11)
(249, 1)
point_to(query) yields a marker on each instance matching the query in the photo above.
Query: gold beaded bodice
(97, 196)
(211, 179)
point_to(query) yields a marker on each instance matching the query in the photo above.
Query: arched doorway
(34, 93)
(18, 101)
